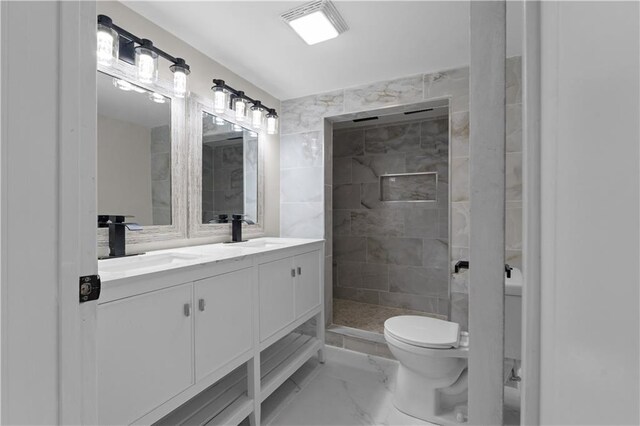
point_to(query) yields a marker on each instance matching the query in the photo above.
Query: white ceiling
(385, 40)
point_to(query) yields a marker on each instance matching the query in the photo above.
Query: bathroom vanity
(215, 326)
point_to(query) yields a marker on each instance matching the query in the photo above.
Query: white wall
(590, 212)
(203, 70)
(124, 169)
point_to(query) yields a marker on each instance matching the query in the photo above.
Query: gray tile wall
(304, 118)
(222, 180)
(391, 253)
(161, 174)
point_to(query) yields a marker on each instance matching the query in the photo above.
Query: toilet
(432, 377)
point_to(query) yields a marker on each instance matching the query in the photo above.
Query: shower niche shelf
(409, 187)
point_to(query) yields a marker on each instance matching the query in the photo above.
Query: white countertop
(121, 268)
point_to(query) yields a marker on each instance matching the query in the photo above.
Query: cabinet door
(307, 287)
(223, 319)
(144, 351)
(276, 296)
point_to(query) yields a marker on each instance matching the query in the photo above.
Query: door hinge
(89, 288)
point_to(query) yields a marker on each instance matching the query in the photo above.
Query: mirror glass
(229, 171)
(134, 152)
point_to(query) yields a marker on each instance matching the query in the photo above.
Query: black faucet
(236, 227)
(116, 225)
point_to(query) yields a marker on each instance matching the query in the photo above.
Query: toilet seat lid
(424, 332)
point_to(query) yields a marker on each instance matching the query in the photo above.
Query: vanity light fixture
(115, 43)
(108, 41)
(239, 104)
(315, 21)
(257, 115)
(180, 72)
(272, 122)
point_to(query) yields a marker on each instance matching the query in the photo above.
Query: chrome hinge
(89, 288)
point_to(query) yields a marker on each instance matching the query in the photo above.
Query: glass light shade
(219, 100)
(257, 115)
(240, 108)
(146, 65)
(272, 124)
(179, 83)
(157, 98)
(108, 45)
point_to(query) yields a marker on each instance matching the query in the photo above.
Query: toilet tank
(513, 315)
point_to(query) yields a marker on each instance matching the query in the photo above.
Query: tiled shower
(390, 221)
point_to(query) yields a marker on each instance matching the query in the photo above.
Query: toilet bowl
(432, 377)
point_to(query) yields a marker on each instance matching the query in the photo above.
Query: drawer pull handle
(187, 309)
(293, 272)
(299, 270)
(201, 305)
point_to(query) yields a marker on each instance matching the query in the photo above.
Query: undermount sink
(125, 264)
(260, 244)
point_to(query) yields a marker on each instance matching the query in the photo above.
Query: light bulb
(272, 123)
(257, 115)
(108, 44)
(180, 72)
(240, 107)
(219, 100)
(179, 84)
(146, 63)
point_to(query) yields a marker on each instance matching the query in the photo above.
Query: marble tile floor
(368, 317)
(349, 389)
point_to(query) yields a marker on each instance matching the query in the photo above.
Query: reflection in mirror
(229, 171)
(134, 152)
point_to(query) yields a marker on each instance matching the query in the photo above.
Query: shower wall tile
(369, 168)
(421, 281)
(460, 134)
(347, 143)
(161, 166)
(357, 294)
(434, 137)
(514, 128)
(514, 258)
(394, 251)
(513, 177)
(392, 139)
(513, 229)
(435, 253)
(460, 310)
(460, 177)
(352, 249)
(346, 196)
(301, 150)
(363, 275)
(452, 83)
(421, 223)
(429, 163)
(302, 220)
(342, 170)
(513, 79)
(460, 217)
(384, 93)
(307, 113)
(415, 302)
(377, 222)
(341, 222)
(301, 185)
(328, 289)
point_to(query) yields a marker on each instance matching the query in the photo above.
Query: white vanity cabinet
(171, 338)
(223, 320)
(144, 351)
(289, 288)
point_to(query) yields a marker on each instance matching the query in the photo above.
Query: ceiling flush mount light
(316, 21)
(115, 43)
